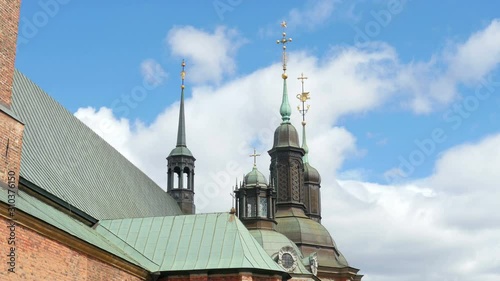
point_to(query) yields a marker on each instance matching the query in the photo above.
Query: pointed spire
(285, 109)
(181, 131)
(303, 97)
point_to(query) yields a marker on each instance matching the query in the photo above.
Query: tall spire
(181, 163)
(181, 131)
(285, 109)
(303, 97)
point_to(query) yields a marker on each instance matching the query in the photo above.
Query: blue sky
(399, 89)
(89, 56)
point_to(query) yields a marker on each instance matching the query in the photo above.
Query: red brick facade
(40, 258)
(11, 135)
(11, 130)
(9, 19)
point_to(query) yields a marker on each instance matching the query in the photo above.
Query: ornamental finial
(284, 41)
(183, 73)
(303, 97)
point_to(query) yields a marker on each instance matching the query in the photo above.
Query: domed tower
(180, 164)
(255, 200)
(312, 179)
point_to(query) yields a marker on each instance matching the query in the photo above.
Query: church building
(73, 208)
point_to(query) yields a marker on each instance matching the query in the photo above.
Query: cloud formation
(152, 72)
(210, 55)
(434, 83)
(313, 14)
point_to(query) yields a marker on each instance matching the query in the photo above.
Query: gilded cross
(303, 97)
(254, 155)
(283, 42)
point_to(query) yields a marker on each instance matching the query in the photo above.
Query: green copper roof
(285, 109)
(192, 242)
(54, 217)
(63, 156)
(255, 177)
(181, 151)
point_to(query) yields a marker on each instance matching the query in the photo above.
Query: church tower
(287, 172)
(180, 164)
(312, 179)
(255, 200)
(298, 209)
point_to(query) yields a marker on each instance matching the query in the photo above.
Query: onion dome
(311, 175)
(286, 136)
(254, 178)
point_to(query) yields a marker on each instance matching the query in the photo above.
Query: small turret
(255, 200)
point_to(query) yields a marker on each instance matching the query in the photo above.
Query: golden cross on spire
(183, 73)
(303, 97)
(254, 155)
(284, 41)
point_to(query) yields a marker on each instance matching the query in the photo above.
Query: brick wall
(9, 20)
(11, 135)
(11, 130)
(40, 258)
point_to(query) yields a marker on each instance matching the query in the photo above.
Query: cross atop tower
(303, 97)
(284, 41)
(254, 155)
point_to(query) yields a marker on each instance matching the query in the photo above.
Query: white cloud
(310, 16)
(210, 56)
(477, 56)
(445, 223)
(152, 72)
(313, 14)
(434, 83)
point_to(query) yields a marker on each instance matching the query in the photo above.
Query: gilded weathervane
(303, 97)
(284, 41)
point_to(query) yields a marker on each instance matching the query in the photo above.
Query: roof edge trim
(58, 201)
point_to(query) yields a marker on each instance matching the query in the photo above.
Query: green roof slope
(192, 242)
(54, 217)
(63, 156)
